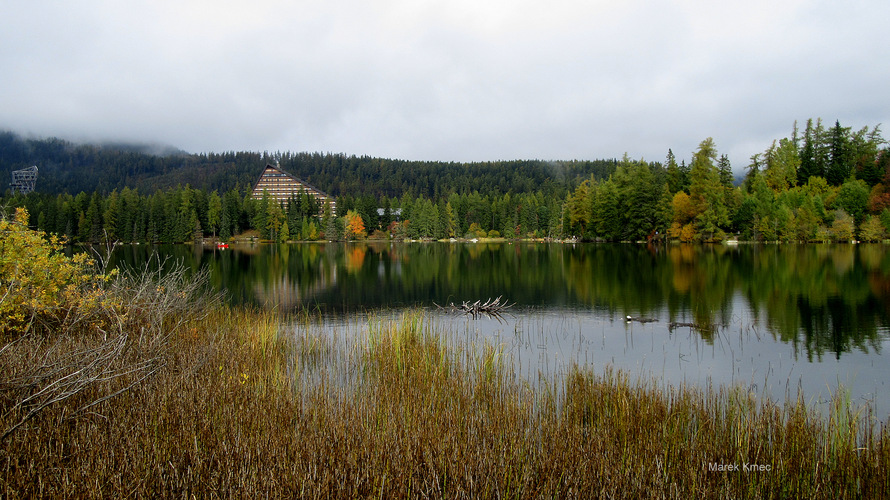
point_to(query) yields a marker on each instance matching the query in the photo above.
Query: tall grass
(252, 404)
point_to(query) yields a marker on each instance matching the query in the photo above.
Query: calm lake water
(774, 318)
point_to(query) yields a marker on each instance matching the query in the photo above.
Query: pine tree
(808, 165)
(725, 169)
(685, 175)
(606, 214)
(865, 152)
(198, 232)
(110, 216)
(214, 212)
(260, 218)
(186, 217)
(638, 200)
(275, 218)
(839, 166)
(664, 212)
(333, 226)
(579, 208)
(764, 211)
(93, 221)
(675, 177)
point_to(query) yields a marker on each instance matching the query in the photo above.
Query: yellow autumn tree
(355, 226)
(684, 208)
(685, 212)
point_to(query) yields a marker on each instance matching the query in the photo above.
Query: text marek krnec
(718, 467)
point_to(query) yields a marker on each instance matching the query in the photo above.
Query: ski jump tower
(24, 180)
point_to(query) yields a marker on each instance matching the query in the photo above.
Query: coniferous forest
(820, 184)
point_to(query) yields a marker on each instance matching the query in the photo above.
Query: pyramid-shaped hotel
(281, 186)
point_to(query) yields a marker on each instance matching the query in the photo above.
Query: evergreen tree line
(828, 184)
(821, 185)
(527, 215)
(175, 215)
(184, 214)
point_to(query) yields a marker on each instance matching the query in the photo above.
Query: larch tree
(706, 192)
(355, 226)
(782, 163)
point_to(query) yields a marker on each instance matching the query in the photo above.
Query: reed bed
(250, 403)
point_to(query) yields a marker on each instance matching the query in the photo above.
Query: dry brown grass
(247, 407)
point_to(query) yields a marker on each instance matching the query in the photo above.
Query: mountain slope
(69, 167)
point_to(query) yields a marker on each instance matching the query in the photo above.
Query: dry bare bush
(77, 335)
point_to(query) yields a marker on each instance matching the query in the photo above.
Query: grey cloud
(442, 80)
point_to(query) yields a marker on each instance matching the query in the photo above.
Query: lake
(777, 319)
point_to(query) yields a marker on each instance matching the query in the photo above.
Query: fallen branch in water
(695, 326)
(641, 320)
(492, 308)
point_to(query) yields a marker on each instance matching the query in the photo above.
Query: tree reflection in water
(821, 299)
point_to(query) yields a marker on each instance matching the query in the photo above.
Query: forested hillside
(66, 167)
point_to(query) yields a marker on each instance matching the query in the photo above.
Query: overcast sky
(462, 80)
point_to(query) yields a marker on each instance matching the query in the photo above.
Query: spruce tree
(675, 179)
(808, 166)
(839, 167)
(725, 169)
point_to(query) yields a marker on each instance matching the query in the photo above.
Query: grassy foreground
(241, 409)
(158, 390)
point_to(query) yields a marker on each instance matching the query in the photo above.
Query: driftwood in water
(641, 320)
(695, 326)
(492, 308)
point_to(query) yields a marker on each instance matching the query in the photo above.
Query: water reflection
(780, 319)
(823, 300)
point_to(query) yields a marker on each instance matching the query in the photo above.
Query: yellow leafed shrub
(38, 283)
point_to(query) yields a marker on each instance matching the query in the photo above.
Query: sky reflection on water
(771, 318)
(543, 343)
